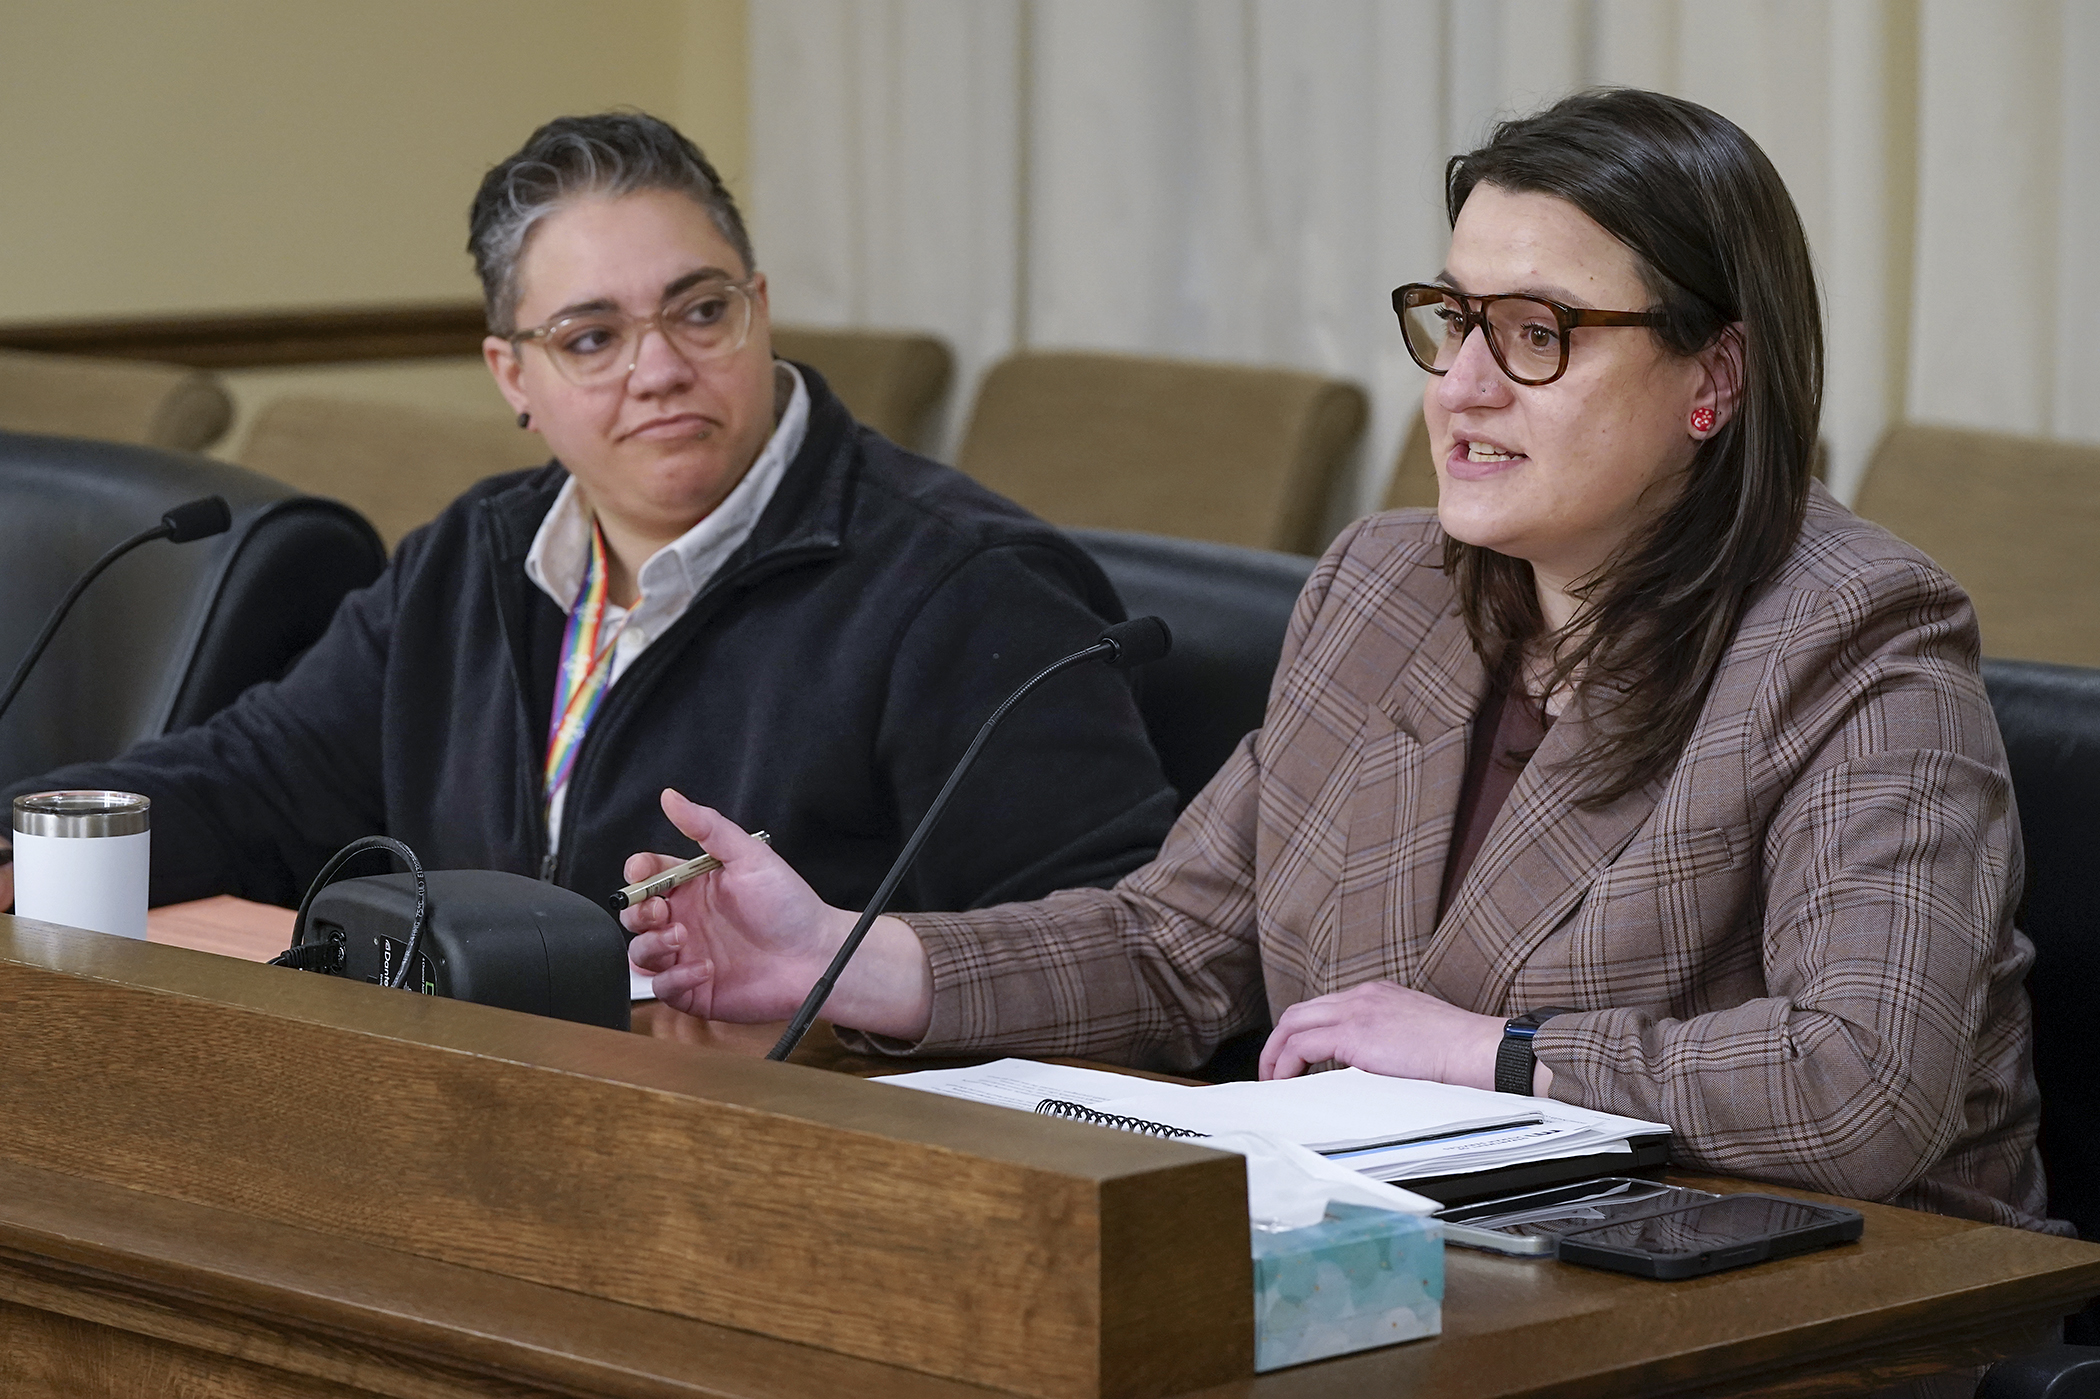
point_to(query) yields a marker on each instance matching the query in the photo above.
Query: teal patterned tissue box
(1359, 1278)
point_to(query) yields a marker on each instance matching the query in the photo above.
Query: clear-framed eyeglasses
(1527, 335)
(591, 348)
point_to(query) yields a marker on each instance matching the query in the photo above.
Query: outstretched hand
(744, 942)
(747, 941)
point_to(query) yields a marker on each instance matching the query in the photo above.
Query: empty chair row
(112, 400)
(1219, 452)
(1225, 453)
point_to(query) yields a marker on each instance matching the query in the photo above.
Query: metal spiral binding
(1079, 1112)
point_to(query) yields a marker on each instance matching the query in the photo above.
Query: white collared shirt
(673, 576)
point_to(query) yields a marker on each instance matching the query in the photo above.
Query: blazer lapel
(1540, 858)
(1412, 762)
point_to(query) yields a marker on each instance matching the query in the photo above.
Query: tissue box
(1359, 1278)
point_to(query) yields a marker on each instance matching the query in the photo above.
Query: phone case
(1679, 1243)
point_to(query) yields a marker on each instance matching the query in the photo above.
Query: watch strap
(1516, 1062)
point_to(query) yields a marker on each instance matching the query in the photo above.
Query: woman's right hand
(747, 941)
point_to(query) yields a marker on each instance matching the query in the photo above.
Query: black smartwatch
(1514, 1061)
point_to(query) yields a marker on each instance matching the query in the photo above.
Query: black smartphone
(1730, 1232)
(1529, 1225)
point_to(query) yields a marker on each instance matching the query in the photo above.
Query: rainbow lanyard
(580, 684)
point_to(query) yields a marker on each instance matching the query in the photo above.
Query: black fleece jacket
(819, 687)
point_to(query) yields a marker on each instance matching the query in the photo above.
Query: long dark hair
(1718, 245)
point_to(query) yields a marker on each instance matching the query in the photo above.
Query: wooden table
(1919, 1294)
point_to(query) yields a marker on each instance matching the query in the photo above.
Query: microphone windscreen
(199, 519)
(1139, 641)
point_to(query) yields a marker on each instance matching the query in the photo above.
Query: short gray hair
(612, 154)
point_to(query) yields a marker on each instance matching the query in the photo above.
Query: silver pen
(671, 878)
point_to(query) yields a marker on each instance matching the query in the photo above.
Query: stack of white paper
(1391, 1129)
(1022, 1083)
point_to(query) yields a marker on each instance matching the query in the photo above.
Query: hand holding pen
(671, 878)
(747, 943)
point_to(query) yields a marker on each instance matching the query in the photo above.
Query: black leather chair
(2053, 1372)
(1227, 607)
(172, 632)
(2050, 716)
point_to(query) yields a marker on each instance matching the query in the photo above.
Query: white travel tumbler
(81, 860)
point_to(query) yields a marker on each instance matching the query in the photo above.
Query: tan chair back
(1414, 478)
(396, 465)
(2016, 520)
(1202, 451)
(890, 382)
(114, 400)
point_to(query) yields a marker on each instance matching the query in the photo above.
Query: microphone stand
(1132, 643)
(196, 520)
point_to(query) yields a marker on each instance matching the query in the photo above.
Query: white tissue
(1289, 1187)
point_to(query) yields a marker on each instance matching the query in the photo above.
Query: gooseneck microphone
(1126, 645)
(199, 519)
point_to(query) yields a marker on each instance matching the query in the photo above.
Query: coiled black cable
(328, 872)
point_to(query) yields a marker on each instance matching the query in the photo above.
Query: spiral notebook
(1445, 1141)
(1307, 1122)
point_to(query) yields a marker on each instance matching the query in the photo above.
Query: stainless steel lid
(82, 814)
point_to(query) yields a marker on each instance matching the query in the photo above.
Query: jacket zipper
(713, 595)
(528, 776)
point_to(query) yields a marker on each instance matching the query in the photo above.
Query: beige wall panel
(714, 88)
(207, 155)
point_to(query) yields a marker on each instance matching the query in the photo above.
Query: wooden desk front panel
(118, 1291)
(917, 1231)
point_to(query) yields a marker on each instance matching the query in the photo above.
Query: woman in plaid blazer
(1640, 729)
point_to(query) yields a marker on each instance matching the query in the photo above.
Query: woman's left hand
(1384, 1028)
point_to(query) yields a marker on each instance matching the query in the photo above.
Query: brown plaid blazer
(1797, 949)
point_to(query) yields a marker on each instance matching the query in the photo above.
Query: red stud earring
(1702, 421)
